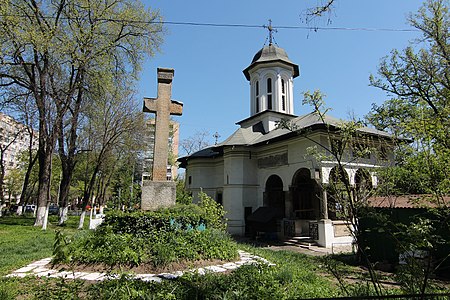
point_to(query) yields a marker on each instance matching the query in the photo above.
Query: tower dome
(269, 54)
(271, 75)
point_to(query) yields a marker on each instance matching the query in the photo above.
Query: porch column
(324, 205)
(288, 204)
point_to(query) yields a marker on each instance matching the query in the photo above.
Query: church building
(264, 173)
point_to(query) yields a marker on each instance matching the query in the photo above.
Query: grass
(295, 275)
(21, 243)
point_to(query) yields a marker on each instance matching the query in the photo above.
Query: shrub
(214, 213)
(179, 233)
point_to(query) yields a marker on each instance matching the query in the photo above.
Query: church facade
(263, 172)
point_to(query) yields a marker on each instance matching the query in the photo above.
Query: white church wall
(233, 205)
(239, 167)
(298, 150)
(204, 175)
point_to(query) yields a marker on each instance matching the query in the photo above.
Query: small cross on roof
(271, 31)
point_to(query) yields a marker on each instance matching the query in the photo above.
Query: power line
(230, 25)
(288, 27)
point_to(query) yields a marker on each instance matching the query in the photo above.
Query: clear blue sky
(208, 61)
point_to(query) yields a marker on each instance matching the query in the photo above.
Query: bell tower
(271, 75)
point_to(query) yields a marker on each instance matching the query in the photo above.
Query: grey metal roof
(250, 136)
(271, 53)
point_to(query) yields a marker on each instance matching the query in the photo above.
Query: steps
(300, 241)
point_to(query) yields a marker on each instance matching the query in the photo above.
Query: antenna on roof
(271, 31)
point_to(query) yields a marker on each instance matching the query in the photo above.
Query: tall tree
(56, 51)
(419, 80)
(112, 120)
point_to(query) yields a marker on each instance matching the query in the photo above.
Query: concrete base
(157, 194)
(326, 234)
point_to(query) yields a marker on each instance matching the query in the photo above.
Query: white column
(290, 97)
(277, 94)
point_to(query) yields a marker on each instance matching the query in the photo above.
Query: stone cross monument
(159, 192)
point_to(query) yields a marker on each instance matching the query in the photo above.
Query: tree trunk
(24, 195)
(82, 216)
(45, 222)
(64, 189)
(45, 164)
(63, 214)
(68, 159)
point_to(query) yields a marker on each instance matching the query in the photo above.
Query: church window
(283, 95)
(269, 93)
(257, 96)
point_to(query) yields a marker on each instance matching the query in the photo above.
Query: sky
(208, 60)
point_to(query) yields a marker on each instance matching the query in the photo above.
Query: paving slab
(215, 269)
(93, 276)
(25, 269)
(230, 266)
(39, 268)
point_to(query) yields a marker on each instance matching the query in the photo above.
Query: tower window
(269, 93)
(283, 95)
(257, 96)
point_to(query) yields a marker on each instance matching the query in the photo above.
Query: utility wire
(287, 27)
(313, 28)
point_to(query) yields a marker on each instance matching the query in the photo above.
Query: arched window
(257, 95)
(283, 95)
(269, 93)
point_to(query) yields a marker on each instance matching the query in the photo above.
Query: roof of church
(254, 135)
(251, 136)
(271, 53)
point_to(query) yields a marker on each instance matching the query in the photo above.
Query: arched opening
(339, 193)
(274, 195)
(363, 184)
(305, 199)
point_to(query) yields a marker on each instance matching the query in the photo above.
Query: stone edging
(39, 269)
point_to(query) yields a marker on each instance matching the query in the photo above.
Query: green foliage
(179, 233)
(59, 289)
(420, 236)
(417, 78)
(292, 278)
(183, 195)
(214, 212)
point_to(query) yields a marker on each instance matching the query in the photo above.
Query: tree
(195, 142)
(419, 81)
(340, 138)
(56, 51)
(114, 123)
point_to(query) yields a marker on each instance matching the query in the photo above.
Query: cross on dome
(271, 31)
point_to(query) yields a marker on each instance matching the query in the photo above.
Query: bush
(179, 233)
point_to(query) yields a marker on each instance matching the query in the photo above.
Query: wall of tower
(277, 97)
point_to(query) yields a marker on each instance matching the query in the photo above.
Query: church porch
(302, 213)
